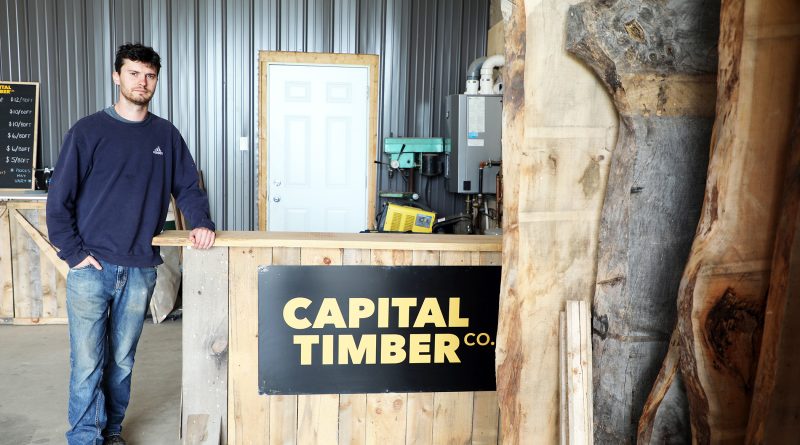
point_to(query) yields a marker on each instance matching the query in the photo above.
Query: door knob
(276, 198)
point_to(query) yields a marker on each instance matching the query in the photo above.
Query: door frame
(266, 58)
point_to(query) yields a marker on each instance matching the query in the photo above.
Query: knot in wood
(219, 346)
(634, 29)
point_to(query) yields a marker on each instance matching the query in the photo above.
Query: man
(108, 198)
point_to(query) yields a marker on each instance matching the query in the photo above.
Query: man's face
(137, 81)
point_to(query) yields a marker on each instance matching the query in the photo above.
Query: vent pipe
(474, 75)
(487, 73)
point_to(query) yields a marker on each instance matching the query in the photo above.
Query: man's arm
(62, 226)
(192, 201)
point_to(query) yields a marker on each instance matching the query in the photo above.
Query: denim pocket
(75, 269)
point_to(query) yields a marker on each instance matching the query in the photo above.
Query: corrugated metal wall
(209, 83)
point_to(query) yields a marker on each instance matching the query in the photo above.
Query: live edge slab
(221, 403)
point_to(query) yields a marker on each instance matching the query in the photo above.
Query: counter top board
(393, 241)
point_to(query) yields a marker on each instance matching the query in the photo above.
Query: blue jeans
(106, 310)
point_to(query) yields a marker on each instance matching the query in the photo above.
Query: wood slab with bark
(559, 128)
(657, 59)
(775, 408)
(724, 287)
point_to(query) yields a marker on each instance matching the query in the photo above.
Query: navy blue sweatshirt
(111, 189)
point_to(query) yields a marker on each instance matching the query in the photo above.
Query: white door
(317, 148)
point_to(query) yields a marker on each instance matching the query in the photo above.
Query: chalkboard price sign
(19, 123)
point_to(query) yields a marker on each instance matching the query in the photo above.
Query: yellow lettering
(305, 342)
(454, 317)
(290, 313)
(445, 346)
(392, 351)
(430, 312)
(329, 313)
(419, 348)
(359, 308)
(403, 306)
(356, 352)
(383, 312)
(327, 349)
(467, 341)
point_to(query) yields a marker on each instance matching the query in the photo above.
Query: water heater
(473, 134)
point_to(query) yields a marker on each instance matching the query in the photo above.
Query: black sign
(19, 120)
(357, 329)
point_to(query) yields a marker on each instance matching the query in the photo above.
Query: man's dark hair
(136, 52)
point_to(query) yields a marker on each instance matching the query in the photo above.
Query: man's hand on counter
(202, 238)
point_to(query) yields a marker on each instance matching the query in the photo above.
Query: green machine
(403, 152)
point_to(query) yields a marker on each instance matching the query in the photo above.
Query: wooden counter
(220, 347)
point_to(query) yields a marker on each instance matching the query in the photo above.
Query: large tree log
(559, 128)
(657, 59)
(775, 408)
(722, 295)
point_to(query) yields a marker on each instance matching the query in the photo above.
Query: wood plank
(578, 434)
(386, 241)
(248, 411)
(317, 419)
(485, 418)
(648, 218)
(54, 289)
(205, 340)
(25, 261)
(23, 321)
(586, 364)
(318, 414)
(559, 127)
(419, 418)
(452, 417)
(386, 419)
(283, 409)
(353, 407)
(48, 251)
(563, 412)
(353, 419)
(382, 257)
(722, 294)
(776, 402)
(27, 205)
(6, 267)
(282, 420)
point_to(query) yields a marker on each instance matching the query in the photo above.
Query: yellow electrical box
(399, 218)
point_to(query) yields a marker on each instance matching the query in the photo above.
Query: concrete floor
(34, 379)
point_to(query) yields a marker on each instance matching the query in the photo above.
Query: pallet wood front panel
(243, 368)
(380, 419)
(32, 291)
(204, 416)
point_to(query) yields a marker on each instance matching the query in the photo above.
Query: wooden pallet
(32, 277)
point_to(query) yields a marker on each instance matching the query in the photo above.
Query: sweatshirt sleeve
(192, 201)
(64, 186)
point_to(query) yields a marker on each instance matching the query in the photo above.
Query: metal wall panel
(208, 85)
